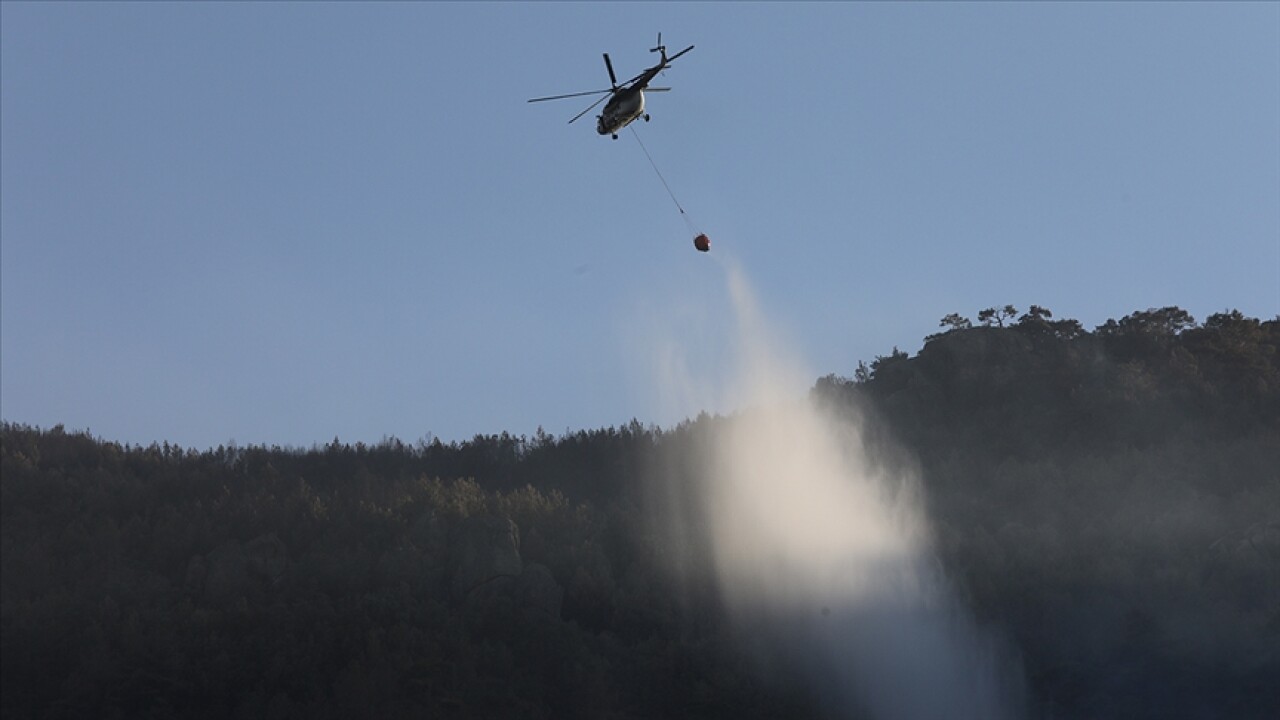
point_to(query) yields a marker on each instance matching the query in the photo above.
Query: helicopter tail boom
(673, 57)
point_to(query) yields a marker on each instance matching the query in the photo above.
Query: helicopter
(626, 101)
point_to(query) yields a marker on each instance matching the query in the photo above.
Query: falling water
(823, 556)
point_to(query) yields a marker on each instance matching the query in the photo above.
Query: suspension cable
(656, 170)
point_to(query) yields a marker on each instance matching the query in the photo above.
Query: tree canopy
(1107, 498)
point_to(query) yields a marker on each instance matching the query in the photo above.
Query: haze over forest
(1088, 520)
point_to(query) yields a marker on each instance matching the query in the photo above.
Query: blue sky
(286, 222)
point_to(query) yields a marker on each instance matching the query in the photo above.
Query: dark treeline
(1110, 500)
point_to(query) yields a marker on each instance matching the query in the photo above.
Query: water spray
(824, 557)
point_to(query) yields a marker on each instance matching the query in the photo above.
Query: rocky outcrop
(488, 567)
(488, 556)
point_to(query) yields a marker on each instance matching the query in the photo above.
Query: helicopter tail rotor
(661, 48)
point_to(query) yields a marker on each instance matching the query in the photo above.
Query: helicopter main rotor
(615, 88)
(613, 79)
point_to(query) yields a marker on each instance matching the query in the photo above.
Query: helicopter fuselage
(622, 108)
(625, 101)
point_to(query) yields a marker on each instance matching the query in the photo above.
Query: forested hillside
(1109, 499)
(1112, 497)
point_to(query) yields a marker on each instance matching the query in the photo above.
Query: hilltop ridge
(1104, 498)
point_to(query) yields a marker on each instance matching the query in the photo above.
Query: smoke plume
(821, 554)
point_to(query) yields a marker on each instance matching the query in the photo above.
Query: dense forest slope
(1109, 499)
